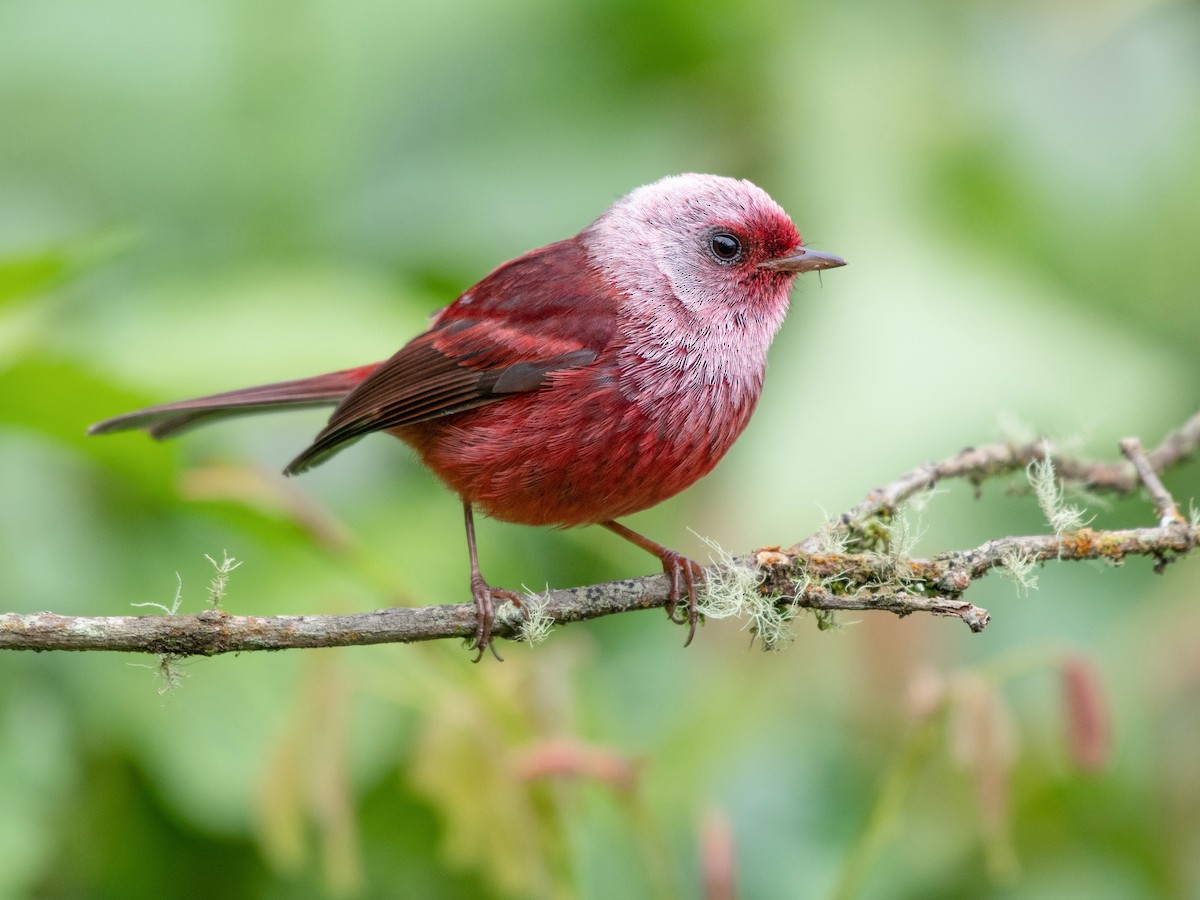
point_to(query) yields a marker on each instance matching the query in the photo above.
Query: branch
(215, 631)
(808, 576)
(977, 464)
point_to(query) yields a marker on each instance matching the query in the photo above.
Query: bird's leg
(676, 566)
(484, 594)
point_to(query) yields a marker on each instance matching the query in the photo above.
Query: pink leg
(483, 594)
(674, 565)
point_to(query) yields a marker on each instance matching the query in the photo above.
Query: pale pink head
(721, 246)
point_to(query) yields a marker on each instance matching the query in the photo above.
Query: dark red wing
(538, 314)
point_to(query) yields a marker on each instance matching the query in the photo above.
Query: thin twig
(1164, 503)
(977, 464)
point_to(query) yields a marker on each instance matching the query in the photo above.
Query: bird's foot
(485, 596)
(678, 568)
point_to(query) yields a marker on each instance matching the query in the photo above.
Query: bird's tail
(169, 419)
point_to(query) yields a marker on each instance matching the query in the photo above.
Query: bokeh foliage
(199, 196)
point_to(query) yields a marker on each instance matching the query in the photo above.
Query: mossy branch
(851, 564)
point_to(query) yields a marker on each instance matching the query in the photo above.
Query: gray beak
(803, 260)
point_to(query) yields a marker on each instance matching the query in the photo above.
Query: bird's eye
(725, 247)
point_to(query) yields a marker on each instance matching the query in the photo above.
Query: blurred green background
(195, 197)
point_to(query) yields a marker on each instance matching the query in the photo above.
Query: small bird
(578, 383)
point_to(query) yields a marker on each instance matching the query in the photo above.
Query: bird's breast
(598, 442)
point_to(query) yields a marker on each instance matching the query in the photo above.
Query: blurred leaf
(460, 766)
(24, 276)
(270, 495)
(307, 777)
(60, 399)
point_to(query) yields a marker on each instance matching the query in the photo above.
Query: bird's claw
(678, 567)
(485, 596)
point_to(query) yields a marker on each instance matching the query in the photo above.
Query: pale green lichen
(220, 581)
(899, 536)
(921, 499)
(1018, 566)
(827, 620)
(905, 533)
(536, 623)
(167, 671)
(731, 590)
(1061, 516)
(174, 607)
(832, 538)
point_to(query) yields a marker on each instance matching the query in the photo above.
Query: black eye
(725, 246)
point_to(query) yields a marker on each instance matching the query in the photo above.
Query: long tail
(171, 418)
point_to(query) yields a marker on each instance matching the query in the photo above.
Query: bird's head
(722, 247)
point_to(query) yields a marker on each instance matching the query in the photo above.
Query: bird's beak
(803, 259)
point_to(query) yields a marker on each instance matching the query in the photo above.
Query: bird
(576, 384)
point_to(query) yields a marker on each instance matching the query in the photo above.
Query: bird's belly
(582, 450)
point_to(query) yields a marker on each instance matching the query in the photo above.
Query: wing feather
(536, 315)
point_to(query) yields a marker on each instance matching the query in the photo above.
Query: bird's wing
(530, 318)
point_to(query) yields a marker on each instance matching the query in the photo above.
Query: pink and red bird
(579, 383)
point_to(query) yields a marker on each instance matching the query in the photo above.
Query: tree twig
(804, 577)
(1164, 503)
(977, 464)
